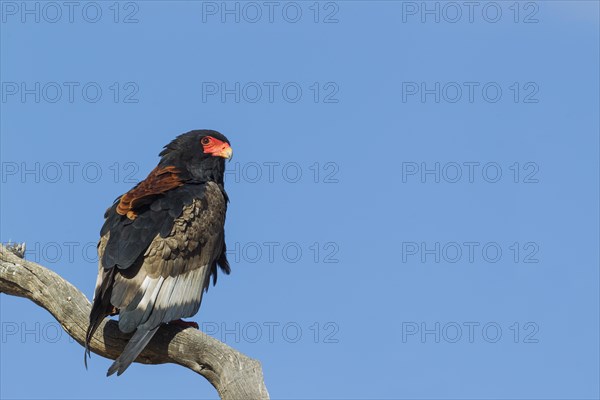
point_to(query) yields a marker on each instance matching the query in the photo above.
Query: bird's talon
(185, 324)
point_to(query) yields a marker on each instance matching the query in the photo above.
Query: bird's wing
(159, 181)
(150, 208)
(168, 281)
(163, 280)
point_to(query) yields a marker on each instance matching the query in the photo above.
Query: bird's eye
(205, 140)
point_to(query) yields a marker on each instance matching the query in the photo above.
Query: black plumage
(129, 238)
(162, 241)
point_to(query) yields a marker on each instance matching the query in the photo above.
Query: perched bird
(162, 241)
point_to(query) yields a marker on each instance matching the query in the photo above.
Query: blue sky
(414, 192)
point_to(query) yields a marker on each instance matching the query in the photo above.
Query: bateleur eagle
(162, 241)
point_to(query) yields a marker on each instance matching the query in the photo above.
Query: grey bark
(234, 375)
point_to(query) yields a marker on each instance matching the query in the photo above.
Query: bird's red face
(216, 147)
(198, 156)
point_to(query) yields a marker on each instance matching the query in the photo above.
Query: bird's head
(198, 155)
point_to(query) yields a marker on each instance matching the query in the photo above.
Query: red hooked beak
(217, 148)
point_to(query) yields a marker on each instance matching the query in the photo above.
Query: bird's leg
(184, 324)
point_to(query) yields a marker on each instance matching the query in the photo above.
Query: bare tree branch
(234, 375)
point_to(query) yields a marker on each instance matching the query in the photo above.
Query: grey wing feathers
(164, 300)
